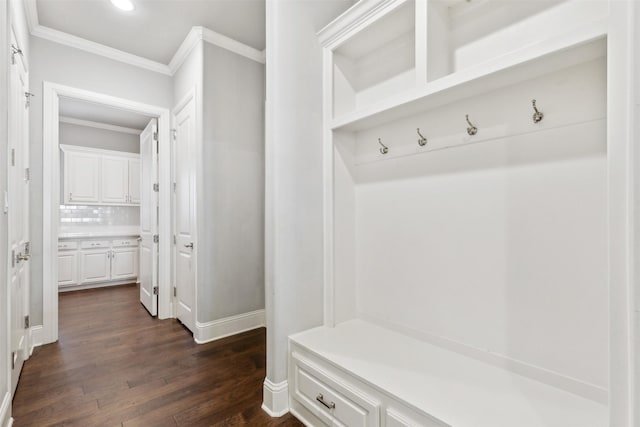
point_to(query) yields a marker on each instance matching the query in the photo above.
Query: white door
(124, 263)
(95, 265)
(185, 213)
(115, 180)
(134, 182)
(67, 268)
(149, 218)
(18, 189)
(82, 177)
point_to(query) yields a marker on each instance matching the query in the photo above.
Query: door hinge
(175, 185)
(174, 132)
(15, 51)
(26, 322)
(13, 157)
(13, 360)
(175, 239)
(28, 95)
(156, 238)
(13, 259)
(155, 290)
(175, 291)
(27, 248)
(156, 187)
(27, 174)
(155, 136)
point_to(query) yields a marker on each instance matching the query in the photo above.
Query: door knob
(190, 245)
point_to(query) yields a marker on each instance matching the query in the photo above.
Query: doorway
(52, 95)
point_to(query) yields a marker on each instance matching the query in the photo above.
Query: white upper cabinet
(100, 177)
(115, 180)
(134, 181)
(82, 178)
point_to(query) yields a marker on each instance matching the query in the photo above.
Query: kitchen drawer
(121, 243)
(332, 401)
(67, 246)
(95, 244)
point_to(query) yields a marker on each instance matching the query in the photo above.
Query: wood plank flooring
(115, 365)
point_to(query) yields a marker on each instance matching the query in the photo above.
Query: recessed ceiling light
(123, 4)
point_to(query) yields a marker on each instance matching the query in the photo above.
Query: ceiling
(156, 28)
(89, 111)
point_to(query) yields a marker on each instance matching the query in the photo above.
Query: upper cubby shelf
(391, 58)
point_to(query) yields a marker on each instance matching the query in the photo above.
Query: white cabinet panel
(95, 266)
(134, 182)
(67, 268)
(82, 177)
(115, 180)
(124, 264)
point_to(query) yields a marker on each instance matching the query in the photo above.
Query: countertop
(79, 233)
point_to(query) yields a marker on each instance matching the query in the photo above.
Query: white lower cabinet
(95, 265)
(124, 263)
(85, 262)
(67, 268)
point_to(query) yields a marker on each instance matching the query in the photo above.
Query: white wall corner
(211, 331)
(275, 401)
(5, 411)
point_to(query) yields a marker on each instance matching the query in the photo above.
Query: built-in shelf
(529, 62)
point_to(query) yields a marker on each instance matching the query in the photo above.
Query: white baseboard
(275, 400)
(211, 331)
(95, 285)
(5, 411)
(37, 337)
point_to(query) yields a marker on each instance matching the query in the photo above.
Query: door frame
(51, 197)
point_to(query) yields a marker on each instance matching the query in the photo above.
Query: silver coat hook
(471, 130)
(537, 116)
(422, 141)
(384, 149)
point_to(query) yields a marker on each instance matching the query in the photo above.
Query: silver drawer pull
(330, 405)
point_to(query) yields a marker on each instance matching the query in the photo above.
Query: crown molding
(201, 33)
(31, 12)
(232, 45)
(99, 49)
(98, 125)
(187, 45)
(195, 35)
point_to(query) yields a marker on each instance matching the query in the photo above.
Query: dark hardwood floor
(114, 365)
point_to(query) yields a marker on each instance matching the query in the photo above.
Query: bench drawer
(126, 242)
(334, 402)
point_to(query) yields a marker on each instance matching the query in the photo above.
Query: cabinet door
(134, 182)
(95, 266)
(124, 264)
(115, 180)
(81, 178)
(67, 268)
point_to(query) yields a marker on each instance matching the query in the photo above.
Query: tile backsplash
(96, 216)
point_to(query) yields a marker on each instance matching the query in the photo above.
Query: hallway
(115, 365)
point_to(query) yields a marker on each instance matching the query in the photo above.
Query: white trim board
(196, 34)
(275, 398)
(221, 328)
(98, 125)
(51, 196)
(5, 411)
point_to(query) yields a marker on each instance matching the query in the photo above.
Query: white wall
(293, 258)
(86, 136)
(64, 65)
(231, 236)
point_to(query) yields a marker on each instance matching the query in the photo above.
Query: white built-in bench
(359, 374)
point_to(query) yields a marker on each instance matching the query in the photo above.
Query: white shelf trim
(98, 125)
